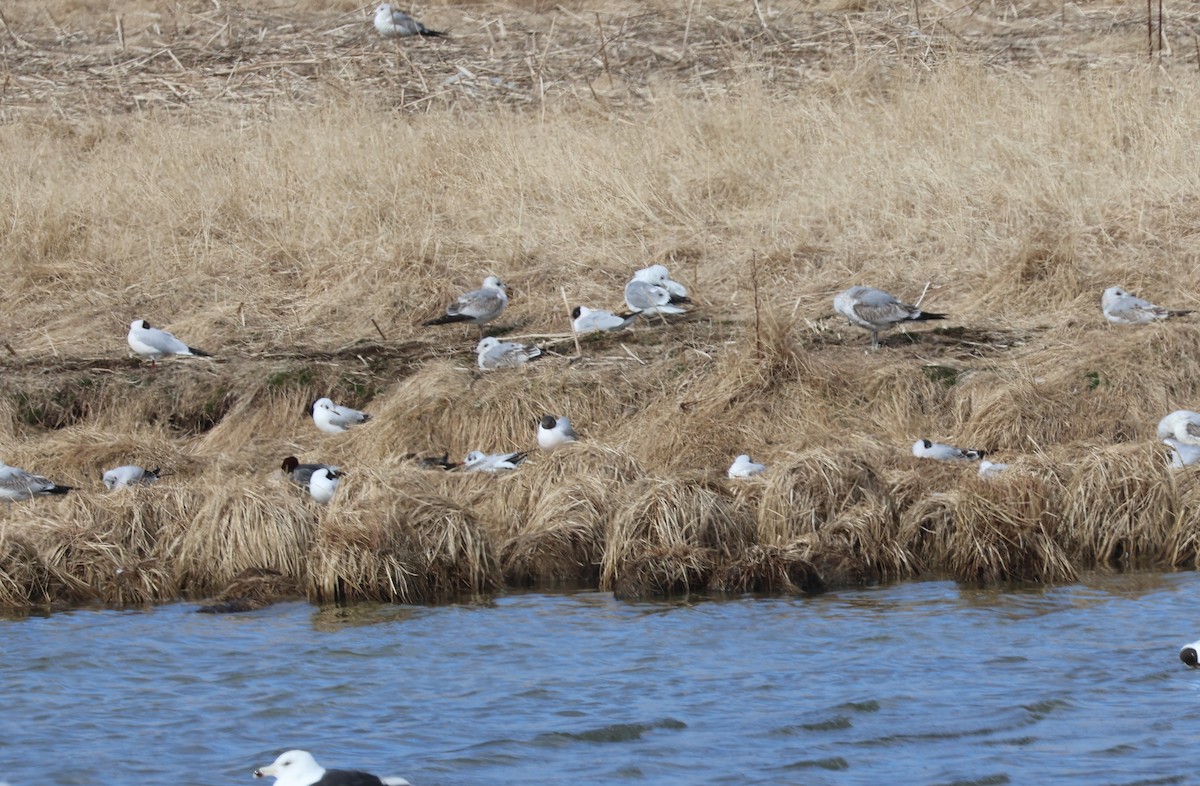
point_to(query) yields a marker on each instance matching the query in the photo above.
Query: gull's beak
(264, 772)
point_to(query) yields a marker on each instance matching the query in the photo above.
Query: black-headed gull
(299, 768)
(553, 433)
(875, 310)
(479, 306)
(390, 22)
(478, 461)
(743, 467)
(492, 353)
(299, 473)
(1122, 308)
(1183, 425)
(334, 419)
(595, 320)
(150, 342)
(17, 484)
(1190, 654)
(129, 475)
(924, 448)
(323, 482)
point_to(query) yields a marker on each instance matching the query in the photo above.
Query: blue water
(925, 682)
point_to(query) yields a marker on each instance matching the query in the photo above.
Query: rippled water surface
(915, 683)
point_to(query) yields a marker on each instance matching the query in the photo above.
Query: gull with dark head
(150, 342)
(392, 22)
(334, 419)
(17, 484)
(492, 353)
(299, 768)
(1122, 308)
(924, 448)
(553, 433)
(299, 473)
(129, 475)
(875, 310)
(478, 306)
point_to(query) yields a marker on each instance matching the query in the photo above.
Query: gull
(875, 310)
(17, 484)
(1183, 425)
(391, 22)
(478, 461)
(301, 473)
(1182, 454)
(554, 432)
(649, 299)
(924, 448)
(334, 419)
(990, 469)
(658, 274)
(479, 306)
(299, 768)
(1190, 654)
(1122, 308)
(743, 467)
(492, 353)
(150, 342)
(323, 482)
(595, 320)
(432, 462)
(130, 475)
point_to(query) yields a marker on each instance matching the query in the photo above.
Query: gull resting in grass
(17, 484)
(391, 22)
(1183, 425)
(594, 320)
(743, 467)
(553, 433)
(924, 448)
(150, 342)
(333, 419)
(299, 473)
(492, 353)
(1122, 308)
(990, 469)
(1182, 454)
(129, 475)
(323, 482)
(478, 461)
(875, 310)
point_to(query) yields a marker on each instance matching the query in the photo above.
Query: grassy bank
(304, 238)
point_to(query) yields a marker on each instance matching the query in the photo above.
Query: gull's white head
(491, 282)
(920, 446)
(293, 768)
(323, 403)
(474, 457)
(1112, 295)
(139, 324)
(487, 345)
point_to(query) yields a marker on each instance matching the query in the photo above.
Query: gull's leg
(874, 339)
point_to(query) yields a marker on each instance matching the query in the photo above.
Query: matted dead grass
(296, 196)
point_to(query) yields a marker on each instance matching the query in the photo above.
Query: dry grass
(297, 196)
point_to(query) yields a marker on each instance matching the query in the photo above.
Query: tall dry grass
(303, 241)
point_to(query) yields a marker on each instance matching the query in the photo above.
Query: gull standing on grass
(492, 353)
(392, 22)
(875, 310)
(130, 475)
(333, 419)
(150, 342)
(17, 484)
(1183, 425)
(1122, 308)
(743, 467)
(323, 482)
(299, 473)
(595, 320)
(553, 433)
(299, 768)
(479, 306)
(478, 461)
(924, 448)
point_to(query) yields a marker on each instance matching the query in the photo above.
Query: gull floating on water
(478, 461)
(924, 448)
(299, 473)
(1183, 425)
(1190, 654)
(150, 342)
(492, 353)
(875, 310)
(594, 320)
(743, 467)
(1123, 308)
(129, 475)
(323, 482)
(479, 306)
(1182, 454)
(392, 22)
(990, 469)
(17, 484)
(299, 768)
(553, 433)
(334, 419)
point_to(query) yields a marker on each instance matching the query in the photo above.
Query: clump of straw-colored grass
(562, 542)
